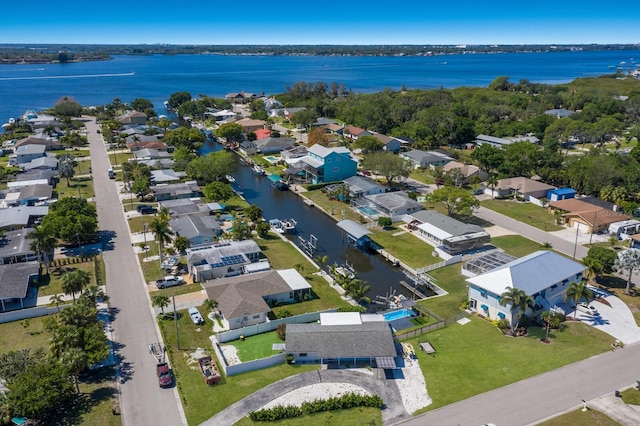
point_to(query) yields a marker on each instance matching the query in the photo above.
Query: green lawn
(579, 417)
(476, 357)
(257, 347)
(424, 176)
(361, 416)
(178, 290)
(14, 336)
(524, 212)
(52, 284)
(631, 396)
(200, 401)
(81, 185)
(321, 200)
(410, 249)
(449, 279)
(515, 245)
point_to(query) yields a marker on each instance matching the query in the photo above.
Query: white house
(543, 275)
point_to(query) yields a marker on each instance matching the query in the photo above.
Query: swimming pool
(368, 211)
(402, 313)
(271, 159)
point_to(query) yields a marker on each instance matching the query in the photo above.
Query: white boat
(277, 226)
(258, 170)
(289, 225)
(230, 178)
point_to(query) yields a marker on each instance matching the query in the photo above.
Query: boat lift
(310, 247)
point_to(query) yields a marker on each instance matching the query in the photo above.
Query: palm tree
(628, 260)
(547, 246)
(164, 214)
(518, 300)
(162, 233)
(321, 261)
(43, 242)
(358, 289)
(161, 300)
(181, 244)
(75, 359)
(299, 267)
(210, 304)
(73, 282)
(57, 300)
(578, 291)
(492, 182)
(95, 293)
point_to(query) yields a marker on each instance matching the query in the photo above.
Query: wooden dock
(413, 289)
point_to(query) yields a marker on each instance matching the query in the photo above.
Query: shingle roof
(523, 185)
(16, 243)
(448, 225)
(14, 279)
(366, 340)
(532, 273)
(362, 183)
(194, 226)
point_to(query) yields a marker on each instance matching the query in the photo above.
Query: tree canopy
(178, 98)
(456, 200)
(232, 132)
(387, 164)
(212, 167)
(72, 219)
(218, 191)
(191, 139)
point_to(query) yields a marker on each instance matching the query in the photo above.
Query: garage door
(582, 228)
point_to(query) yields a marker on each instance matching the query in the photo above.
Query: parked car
(478, 191)
(587, 309)
(146, 209)
(169, 281)
(164, 375)
(195, 315)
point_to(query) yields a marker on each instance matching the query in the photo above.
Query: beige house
(586, 217)
(250, 125)
(529, 189)
(467, 171)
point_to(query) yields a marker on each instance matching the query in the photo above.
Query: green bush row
(349, 400)
(71, 260)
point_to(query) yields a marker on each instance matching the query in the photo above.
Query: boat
(289, 225)
(277, 226)
(209, 370)
(257, 169)
(166, 105)
(230, 178)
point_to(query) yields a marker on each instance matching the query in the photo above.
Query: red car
(165, 379)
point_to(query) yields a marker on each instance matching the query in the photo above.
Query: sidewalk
(612, 406)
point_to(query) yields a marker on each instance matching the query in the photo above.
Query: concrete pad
(616, 320)
(463, 321)
(498, 231)
(612, 406)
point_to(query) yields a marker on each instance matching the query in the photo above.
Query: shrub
(350, 308)
(464, 304)
(281, 331)
(502, 324)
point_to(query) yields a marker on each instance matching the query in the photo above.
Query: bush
(464, 304)
(502, 324)
(350, 308)
(281, 331)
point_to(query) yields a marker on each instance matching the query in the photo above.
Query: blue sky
(314, 22)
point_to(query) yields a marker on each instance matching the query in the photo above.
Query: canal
(380, 274)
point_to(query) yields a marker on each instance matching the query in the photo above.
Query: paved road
(142, 401)
(531, 232)
(532, 400)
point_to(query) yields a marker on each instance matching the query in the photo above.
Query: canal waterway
(380, 274)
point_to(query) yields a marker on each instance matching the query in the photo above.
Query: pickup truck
(169, 281)
(195, 315)
(164, 375)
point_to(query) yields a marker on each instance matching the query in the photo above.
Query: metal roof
(352, 228)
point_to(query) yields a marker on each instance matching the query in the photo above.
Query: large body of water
(37, 87)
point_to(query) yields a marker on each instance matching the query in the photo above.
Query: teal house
(323, 164)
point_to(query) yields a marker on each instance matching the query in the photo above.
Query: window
(303, 354)
(256, 316)
(336, 169)
(328, 160)
(483, 293)
(291, 295)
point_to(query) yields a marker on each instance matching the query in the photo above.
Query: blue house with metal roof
(543, 275)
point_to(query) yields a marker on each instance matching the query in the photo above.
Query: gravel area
(313, 392)
(413, 389)
(230, 354)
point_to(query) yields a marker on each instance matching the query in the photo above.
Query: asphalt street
(142, 401)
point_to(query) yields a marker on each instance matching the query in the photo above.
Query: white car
(169, 281)
(195, 315)
(587, 309)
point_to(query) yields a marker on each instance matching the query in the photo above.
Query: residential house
(33, 194)
(245, 300)
(353, 132)
(150, 154)
(49, 144)
(271, 104)
(241, 97)
(423, 159)
(450, 235)
(528, 189)
(221, 259)
(323, 122)
(390, 204)
(132, 117)
(543, 275)
(39, 120)
(197, 229)
(262, 133)
(359, 186)
(174, 191)
(157, 163)
(250, 125)
(561, 194)
(15, 280)
(25, 153)
(323, 164)
(334, 128)
(559, 112)
(185, 206)
(136, 145)
(41, 163)
(273, 145)
(502, 142)
(585, 217)
(248, 148)
(45, 176)
(222, 115)
(343, 338)
(15, 247)
(21, 217)
(466, 172)
(294, 154)
(166, 175)
(289, 112)
(389, 144)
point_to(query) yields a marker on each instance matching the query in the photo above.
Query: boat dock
(413, 289)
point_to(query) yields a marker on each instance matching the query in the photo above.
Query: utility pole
(575, 244)
(175, 319)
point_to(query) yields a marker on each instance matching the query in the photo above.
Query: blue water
(37, 87)
(369, 211)
(402, 313)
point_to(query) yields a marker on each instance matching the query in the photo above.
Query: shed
(561, 194)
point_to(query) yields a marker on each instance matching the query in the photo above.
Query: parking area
(617, 320)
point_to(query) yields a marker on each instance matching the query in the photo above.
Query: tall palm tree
(358, 289)
(578, 291)
(161, 300)
(164, 214)
(75, 359)
(321, 261)
(43, 242)
(492, 182)
(72, 283)
(57, 300)
(94, 293)
(161, 232)
(628, 260)
(517, 300)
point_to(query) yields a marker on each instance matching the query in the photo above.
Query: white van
(112, 174)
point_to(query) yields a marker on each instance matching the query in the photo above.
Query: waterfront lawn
(524, 212)
(463, 368)
(406, 247)
(333, 207)
(70, 189)
(579, 417)
(257, 346)
(200, 401)
(52, 284)
(448, 278)
(516, 245)
(360, 416)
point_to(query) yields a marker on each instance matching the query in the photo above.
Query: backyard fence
(38, 311)
(419, 331)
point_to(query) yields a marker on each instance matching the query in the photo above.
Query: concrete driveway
(616, 320)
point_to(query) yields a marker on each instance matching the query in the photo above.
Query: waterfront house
(241, 97)
(272, 145)
(446, 233)
(166, 175)
(423, 159)
(15, 280)
(262, 133)
(132, 117)
(246, 300)
(323, 164)
(185, 206)
(222, 115)
(197, 229)
(151, 154)
(221, 259)
(390, 204)
(343, 338)
(248, 148)
(150, 142)
(522, 187)
(49, 144)
(543, 275)
(465, 172)
(294, 154)
(359, 186)
(174, 191)
(586, 217)
(250, 125)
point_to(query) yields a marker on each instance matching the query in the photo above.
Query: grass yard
(256, 347)
(524, 212)
(178, 290)
(424, 176)
(361, 416)
(14, 336)
(449, 278)
(476, 357)
(631, 396)
(52, 284)
(410, 249)
(516, 245)
(151, 270)
(321, 200)
(578, 417)
(70, 189)
(200, 401)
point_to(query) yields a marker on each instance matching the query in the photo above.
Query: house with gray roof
(446, 233)
(343, 338)
(543, 275)
(197, 229)
(389, 144)
(501, 142)
(166, 175)
(174, 191)
(423, 159)
(25, 153)
(391, 204)
(221, 259)
(30, 195)
(132, 117)
(47, 176)
(14, 247)
(151, 154)
(273, 145)
(559, 112)
(158, 163)
(15, 279)
(359, 186)
(185, 206)
(21, 216)
(247, 299)
(41, 163)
